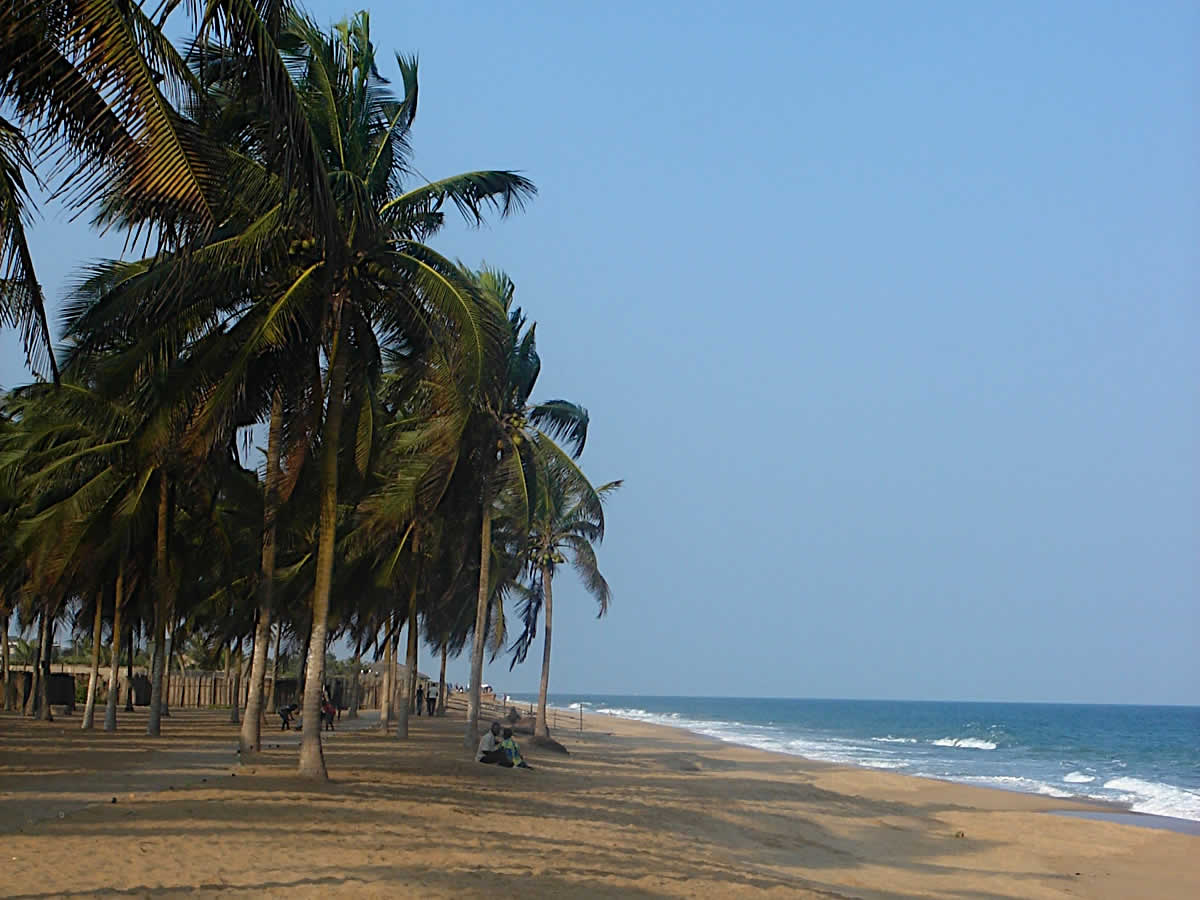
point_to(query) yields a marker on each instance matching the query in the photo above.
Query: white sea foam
(964, 743)
(888, 751)
(1156, 798)
(769, 737)
(628, 713)
(1010, 783)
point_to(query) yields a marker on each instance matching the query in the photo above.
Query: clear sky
(887, 313)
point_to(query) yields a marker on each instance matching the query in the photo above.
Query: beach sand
(635, 811)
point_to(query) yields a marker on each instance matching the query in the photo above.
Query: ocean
(1143, 758)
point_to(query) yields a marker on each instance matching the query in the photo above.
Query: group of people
(497, 747)
(427, 698)
(289, 716)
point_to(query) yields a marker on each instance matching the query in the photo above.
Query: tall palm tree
(289, 289)
(507, 435)
(566, 523)
(383, 281)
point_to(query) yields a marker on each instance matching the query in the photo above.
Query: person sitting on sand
(512, 751)
(490, 751)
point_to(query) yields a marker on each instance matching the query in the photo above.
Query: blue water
(1145, 758)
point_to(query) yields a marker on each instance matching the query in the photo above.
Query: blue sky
(886, 313)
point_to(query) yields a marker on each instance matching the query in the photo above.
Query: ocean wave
(965, 743)
(882, 763)
(628, 713)
(1010, 783)
(770, 738)
(1156, 798)
(931, 759)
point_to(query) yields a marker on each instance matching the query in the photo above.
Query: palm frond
(472, 193)
(562, 420)
(22, 304)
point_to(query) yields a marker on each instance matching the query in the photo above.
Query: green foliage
(268, 167)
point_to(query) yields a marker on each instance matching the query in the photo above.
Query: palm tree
(381, 278)
(316, 298)
(566, 522)
(507, 436)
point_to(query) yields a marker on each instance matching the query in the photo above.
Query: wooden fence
(199, 689)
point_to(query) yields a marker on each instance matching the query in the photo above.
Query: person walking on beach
(431, 697)
(420, 699)
(327, 713)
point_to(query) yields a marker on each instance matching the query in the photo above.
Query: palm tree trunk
(410, 658)
(35, 665)
(303, 673)
(236, 695)
(114, 672)
(441, 701)
(385, 699)
(312, 759)
(250, 740)
(543, 727)
(404, 706)
(274, 669)
(89, 710)
(169, 649)
(471, 738)
(352, 705)
(394, 699)
(5, 663)
(162, 607)
(152, 649)
(129, 669)
(44, 689)
(183, 677)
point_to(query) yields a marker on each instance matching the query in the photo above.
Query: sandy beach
(636, 810)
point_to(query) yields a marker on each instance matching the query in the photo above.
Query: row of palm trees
(408, 481)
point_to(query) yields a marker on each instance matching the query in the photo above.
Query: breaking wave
(1024, 751)
(1156, 798)
(965, 743)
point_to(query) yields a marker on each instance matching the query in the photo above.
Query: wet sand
(635, 811)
